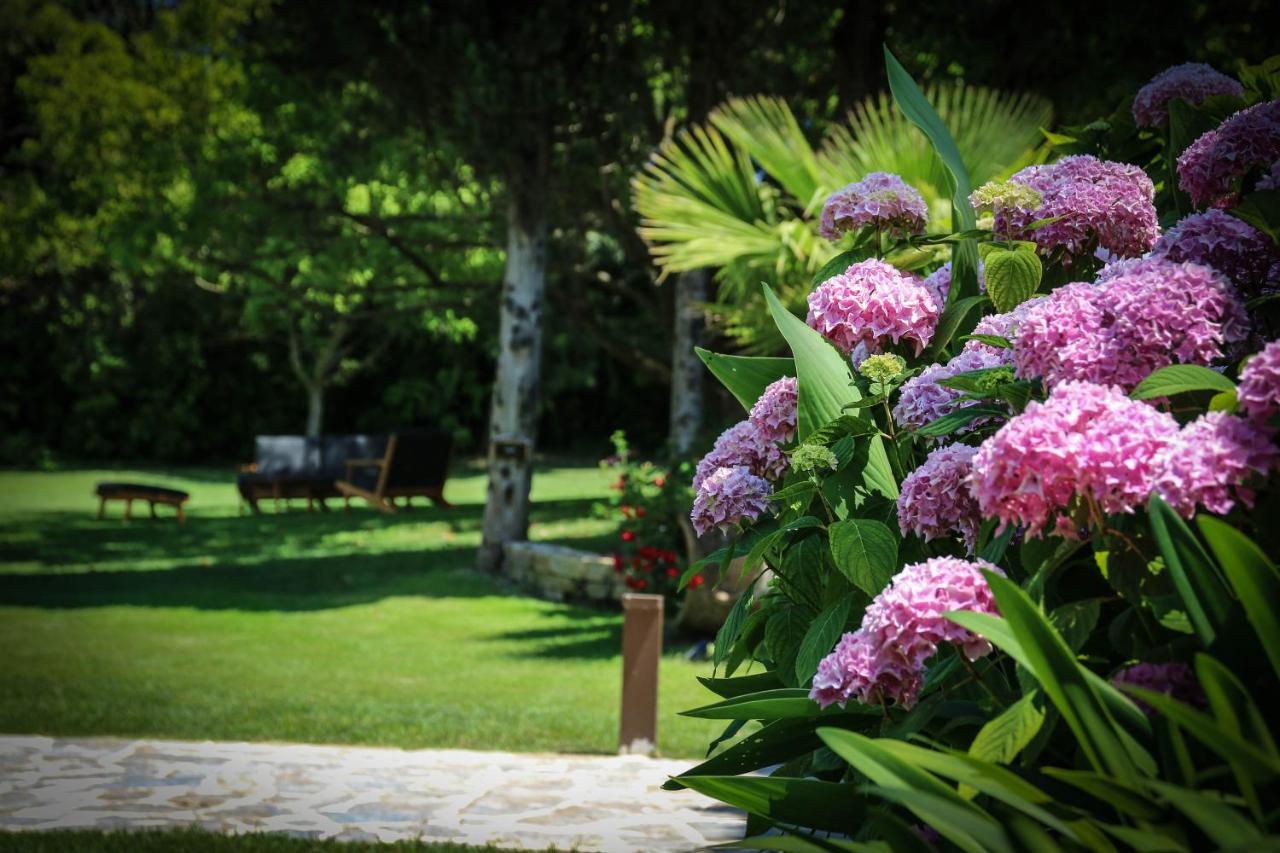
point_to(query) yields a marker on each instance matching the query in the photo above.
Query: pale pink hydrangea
(1173, 679)
(884, 659)
(873, 302)
(774, 414)
(1213, 462)
(939, 282)
(1193, 82)
(1099, 204)
(1086, 441)
(936, 500)
(1210, 167)
(743, 446)
(1141, 316)
(1219, 240)
(880, 200)
(921, 399)
(1002, 326)
(728, 497)
(1259, 390)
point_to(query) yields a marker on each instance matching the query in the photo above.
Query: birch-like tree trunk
(513, 413)
(686, 368)
(315, 410)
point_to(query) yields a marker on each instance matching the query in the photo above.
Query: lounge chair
(415, 464)
(294, 466)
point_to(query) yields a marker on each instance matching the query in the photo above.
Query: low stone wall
(559, 573)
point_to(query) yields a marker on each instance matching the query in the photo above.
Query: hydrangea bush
(1021, 589)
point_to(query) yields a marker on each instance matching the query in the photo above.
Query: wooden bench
(130, 492)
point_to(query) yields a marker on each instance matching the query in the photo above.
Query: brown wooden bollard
(641, 651)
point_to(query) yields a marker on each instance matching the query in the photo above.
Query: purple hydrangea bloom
(1271, 180)
(1086, 441)
(774, 414)
(1002, 326)
(1142, 315)
(936, 500)
(1209, 168)
(727, 497)
(1172, 679)
(921, 399)
(939, 282)
(1259, 390)
(1100, 204)
(901, 629)
(1193, 82)
(880, 200)
(1219, 240)
(873, 302)
(1212, 462)
(743, 446)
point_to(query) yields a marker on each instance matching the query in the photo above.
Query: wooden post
(641, 651)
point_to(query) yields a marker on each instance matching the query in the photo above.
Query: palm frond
(767, 130)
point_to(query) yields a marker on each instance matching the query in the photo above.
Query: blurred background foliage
(217, 217)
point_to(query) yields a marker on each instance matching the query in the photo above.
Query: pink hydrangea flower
(936, 500)
(873, 303)
(1100, 204)
(1209, 168)
(1086, 441)
(901, 629)
(743, 446)
(1232, 247)
(1002, 326)
(1173, 679)
(880, 200)
(774, 414)
(1142, 315)
(1212, 462)
(727, 497)
(1259, 390)
(921, 399)
(939, 282)
(1193, 82)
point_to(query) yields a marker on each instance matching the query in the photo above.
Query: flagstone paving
(601, 803)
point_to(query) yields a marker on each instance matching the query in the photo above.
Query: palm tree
(741, 194)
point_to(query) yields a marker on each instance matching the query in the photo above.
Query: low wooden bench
(130, 492)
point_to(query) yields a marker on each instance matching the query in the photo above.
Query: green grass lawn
(339, 627)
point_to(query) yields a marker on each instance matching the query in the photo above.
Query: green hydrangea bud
(813, 457)
(883, 367)
(1005, 194)
(993, 379)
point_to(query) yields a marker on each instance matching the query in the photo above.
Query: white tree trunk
(513, 412)
(686, 368)
(315, 410)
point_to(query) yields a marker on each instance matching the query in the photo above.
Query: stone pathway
(511, 800)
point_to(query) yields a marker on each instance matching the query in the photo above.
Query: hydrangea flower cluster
(742, 446)
(774, 414)
(1002, 326)
(1259, 390)
(901, 629)
(1097, 201)
(921, 399)
(1143, 315)
(939, 282)
(1193, 82)
(1085, 441)
(1250, 139)
(1271, 180)
(936, 499)
(1232, 247)
(880, 200)
(872, 303)
(882, 368)
(729, 496)
(1173, 679)
(1212, 461)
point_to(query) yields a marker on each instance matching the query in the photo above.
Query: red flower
(669, 556)
(641, 583)
(628, 535)
(617, 562)
(696, 581)
(630, 582)
(673, 572)
(626, 511)
(646, 566)
(635, 562)
(659, 481)
(649, 552)
(639, 512)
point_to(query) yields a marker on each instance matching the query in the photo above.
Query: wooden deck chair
(415, 465)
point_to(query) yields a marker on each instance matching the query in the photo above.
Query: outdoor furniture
(415, 464)
(294, 466)
(130, 492)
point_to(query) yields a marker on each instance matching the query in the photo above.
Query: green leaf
(837, 265)
(1260, 765)
(1252, 576)
(746, 377)
(953, 421)
(977, 833)
(1012, 277)
(953, 317)
(1207, 600)
(991, 340)
(1261, 209)
(742, 685)
(728, 632)
(1127, 798)
(1179, 379)
(1002, 738)
(830, 806)
(767, 705)
(866, 552)
(821, 638)
(1225, 826)
(1076, 620)
(783, 635)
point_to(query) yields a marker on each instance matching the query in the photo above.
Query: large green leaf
(1238, 715)
(1126, 798)
(1252, 576)
(799, 802)
(866, 552)
(742, 685)
(1179, 379)
(1257, 762)
(977, 833)
(746, 377)
(783, 635)
(728, 632)
(767, 705)
(821, 637)
(1002, 738)
(1224, 825)
(1207, 600)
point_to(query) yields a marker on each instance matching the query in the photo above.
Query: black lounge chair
(294, 466)
(415, 464)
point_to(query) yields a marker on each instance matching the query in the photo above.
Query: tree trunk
(315, 410)
(513, 413)
(686, 367)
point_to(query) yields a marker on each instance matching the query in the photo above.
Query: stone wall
(559, 573)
